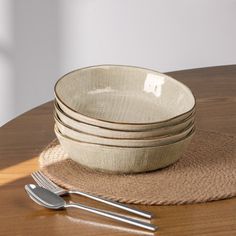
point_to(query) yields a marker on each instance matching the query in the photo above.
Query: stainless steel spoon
(50, 200)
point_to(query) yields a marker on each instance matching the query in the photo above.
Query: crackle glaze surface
(111, 133)
(148, 142)
(122, 94)
(123, 159)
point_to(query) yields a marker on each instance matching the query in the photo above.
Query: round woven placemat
(206, 172)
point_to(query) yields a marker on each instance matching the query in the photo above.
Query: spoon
(50, 200)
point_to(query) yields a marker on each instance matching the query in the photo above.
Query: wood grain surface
(22, 139)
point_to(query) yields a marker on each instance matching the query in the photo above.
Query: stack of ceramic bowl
(123, 119)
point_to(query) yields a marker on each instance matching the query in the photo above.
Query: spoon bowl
(45, 197)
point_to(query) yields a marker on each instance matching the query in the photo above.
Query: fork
(42, 180)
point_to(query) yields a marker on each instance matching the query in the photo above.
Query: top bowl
(123, 97)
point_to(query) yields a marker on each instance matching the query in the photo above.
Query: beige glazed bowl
(148, 142)
(123, 97)
(123, 159)
(111, 133)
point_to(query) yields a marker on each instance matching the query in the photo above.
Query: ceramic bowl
(123, 159)
(123, 97)
(111, 133)
(153, 141)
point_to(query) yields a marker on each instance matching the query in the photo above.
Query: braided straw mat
(206, 172)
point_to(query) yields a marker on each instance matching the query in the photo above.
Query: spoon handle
(114, 216)
(142, 213)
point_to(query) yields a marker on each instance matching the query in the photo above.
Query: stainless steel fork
(42, 180)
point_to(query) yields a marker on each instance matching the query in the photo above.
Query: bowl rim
(186, 128)
(57, 131)
(58, 109)
(116, 122)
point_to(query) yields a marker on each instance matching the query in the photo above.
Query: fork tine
(49, 183)
(46, 179)
(39, 180)
(48, 186)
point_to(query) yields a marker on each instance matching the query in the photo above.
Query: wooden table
(22, 139)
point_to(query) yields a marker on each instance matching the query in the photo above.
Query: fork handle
(114, 216)
(145, 214)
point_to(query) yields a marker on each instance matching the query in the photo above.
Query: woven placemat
(206, 172)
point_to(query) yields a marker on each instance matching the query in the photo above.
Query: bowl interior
(124, 94)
